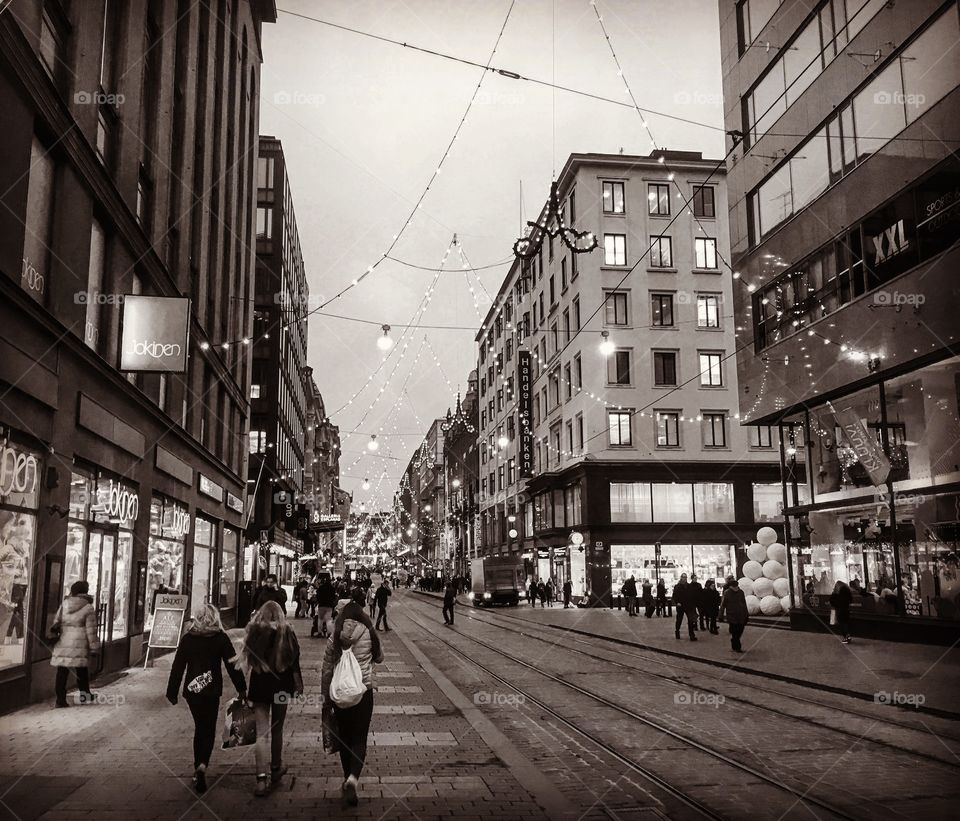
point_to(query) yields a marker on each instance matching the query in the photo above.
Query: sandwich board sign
(168, 615)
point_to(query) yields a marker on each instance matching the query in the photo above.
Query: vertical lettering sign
(864, 444)
(525, 412)
(155, 334)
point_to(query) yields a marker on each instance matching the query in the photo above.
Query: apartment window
(615, 308)
(661, 252)
(254, 391)
(36, 241)
(568, 381)
(554, 382)
(257, 441)
(708, 310)
(614, 249)
(543, 313)
(556, 443)
(752, 16)
(563, 275)
(265, 172)
(618, 425)
(572, 207)
(264, 223)
(95, 272)
(714, 430)
(509, 348)
(668, 429)
(578, 372)
(711, 369)
(658, 199)
(761, 436)
(579, 421)
(501, 473)
(664, 368)
(705, 250)
(566, 325)
(703, 203)
(613, 202)
(483, 418)
(483, 486)
(661, 310)
(511, 472)
(569, 426)
(576, 313)
(553, 290)
(618, 368)
(554, 339)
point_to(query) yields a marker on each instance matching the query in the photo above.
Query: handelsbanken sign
(156, 332)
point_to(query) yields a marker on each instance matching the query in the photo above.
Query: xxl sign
(864, 445)
(525, 413)
(156, 333)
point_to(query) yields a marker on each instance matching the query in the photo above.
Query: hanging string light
(607, 346)
(384, 342)
(373, 444)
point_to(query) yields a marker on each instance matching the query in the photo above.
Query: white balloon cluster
(764, 581)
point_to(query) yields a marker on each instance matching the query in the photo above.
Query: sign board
(156, 333)
(865, 445)
(234, 502)
(168, 615)
(210, 488)
(325, 522)
(525, 413)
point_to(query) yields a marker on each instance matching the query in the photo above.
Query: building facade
(421, 503)
(610, 431)
(280, 379)
(843, 214)
(461, 478)
(137, 126)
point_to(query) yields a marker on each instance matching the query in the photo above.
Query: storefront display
(228, 569)
(169, 529)
(19, 494)
(204, 562)
(705, 561)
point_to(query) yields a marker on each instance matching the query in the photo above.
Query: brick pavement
(130, 757)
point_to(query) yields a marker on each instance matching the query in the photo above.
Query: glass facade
(169, 528)
(671, 502)
(706, 561)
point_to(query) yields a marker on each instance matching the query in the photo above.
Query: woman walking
(353, 630)
(711, 605)
(840, 600)
(204, 648)
(76, 626)
(271, 654)
(734, 605)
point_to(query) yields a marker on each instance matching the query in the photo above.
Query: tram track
(716, 757)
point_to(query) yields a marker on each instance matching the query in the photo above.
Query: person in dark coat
(326, 600)
(567, 593)
(202, 651)
(270, 590)
(733, 606)
(696, 601)
(629, 592)
(548, 587)
(647, 598)
(711, 605)
(840, 600)
(533, 594)
(449, 600)
(383, 593)
(686, 606)
(661, 597)
(542, 594)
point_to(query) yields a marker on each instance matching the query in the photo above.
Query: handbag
(330, 729)
(833, 617)
(239, 725)
(56, 629)
(346, 686)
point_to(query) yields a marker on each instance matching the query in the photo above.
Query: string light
(373, 444)
(384, 342)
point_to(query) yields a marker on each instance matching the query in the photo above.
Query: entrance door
(200, 589)
(578, 572)
(101, 551)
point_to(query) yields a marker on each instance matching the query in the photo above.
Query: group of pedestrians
(546, 593)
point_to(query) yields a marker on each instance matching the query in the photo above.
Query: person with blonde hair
(271, 654)
(201, 652)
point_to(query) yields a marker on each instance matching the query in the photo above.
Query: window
(614, 249)
(661, 252)
(752, 16)
(254, 391)
(553, 290)
(576, 313)
(615, 308)
(658, 199)
(703, 204)
(578, 372)
(714, 430)
(711, 369)
(630, 502)
(566, 325)
(554, 339)
(36, 241)
(95, 272)
(708, 310)
(554, 381)
(664, 368)
(258, 441)
(761, 436)
(264, 223)
(672, 502)
(713, 502)
(767, 501)
(613, 198)
(618, 424)
(618, 368)
(563, 275)
(579, 420)
(555, 443)
(265, 172)
(661, 310)
(568, 381)
(543, 313)
(569, 426)
(705, 250)
(668, 429)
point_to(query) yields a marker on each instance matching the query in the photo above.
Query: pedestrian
(383, 593)
(449, 600)
(542, 594)
(372, 601)
(647, 598)
(711, 605)
(202, 651)
(733, 605)
(661, 597)
(533, 594)
(75, 626)
(840, 600)
(685, 606)
(696, 600)
(567, 593)
(270, 590)
(326, 600)
(271, 655)
(353, 631)
(549, 590)
(629, 592)
(312, 599)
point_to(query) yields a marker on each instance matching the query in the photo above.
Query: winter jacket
(356, 636)
(200, 656)
(647, 594)
(683, 597)
(710, 602)
(78, 633)
(326, 596)
(629, 588)
(449, 594)
(695, 597)
(265, 594)
(383, 593)
(734, 605)
(265, 684)
(840, 601)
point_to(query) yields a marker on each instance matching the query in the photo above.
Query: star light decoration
(552, 224)
(458, 419)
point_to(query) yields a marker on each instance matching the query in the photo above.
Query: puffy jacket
(357, 637)
(734, 605)
(78, 633)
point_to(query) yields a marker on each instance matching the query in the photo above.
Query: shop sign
(119, 503)
(210, 488)
(155, 333)
(560, 552)
(167, 621)
(525, 412)
(864, 445)
(19, 476)
(176, 523)
(235, 503)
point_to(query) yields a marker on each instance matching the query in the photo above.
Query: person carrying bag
(75, 632)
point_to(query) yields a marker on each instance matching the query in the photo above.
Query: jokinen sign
(155, 334)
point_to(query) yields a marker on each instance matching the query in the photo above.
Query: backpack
(346, 686)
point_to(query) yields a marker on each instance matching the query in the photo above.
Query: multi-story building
(844, 193)
(621, 361)
(279, 382)
(126, 250)
(422, 501)
(461, 477)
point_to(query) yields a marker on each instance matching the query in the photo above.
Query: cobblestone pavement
(130, 757)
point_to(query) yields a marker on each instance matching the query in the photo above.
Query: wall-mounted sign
(179, 526)
(155, 334)
(118, 503)
(210, 488)
(19, 476)
(525, 412)
(234, 503)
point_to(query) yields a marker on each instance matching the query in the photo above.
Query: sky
(364, 124)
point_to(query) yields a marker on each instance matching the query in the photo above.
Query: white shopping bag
(347, 687)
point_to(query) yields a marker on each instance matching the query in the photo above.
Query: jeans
(382, 617)
(448, 613)
(631, 605)
(324, 620)
(690, 618)
(736, 631)
(83, 682)
(205, 711)
(270, 718)
(353, 724)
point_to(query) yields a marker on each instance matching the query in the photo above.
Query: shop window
(672, 502)
(713, 502)
(169, 529)
(630, 502)
(228, 569)
(928, 537)
(767, 502)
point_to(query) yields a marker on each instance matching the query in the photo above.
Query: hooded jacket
(365, 646)
(78, 633)
(734, 604)
(200, 655)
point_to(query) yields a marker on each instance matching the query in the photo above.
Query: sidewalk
(865, 667)
(130, 756)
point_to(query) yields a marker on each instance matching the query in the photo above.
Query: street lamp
(373, 444)
(503, 441)
(455, 484)
(606, 343)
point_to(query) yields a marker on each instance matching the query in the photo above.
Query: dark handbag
(330, 730)
(55, 629)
